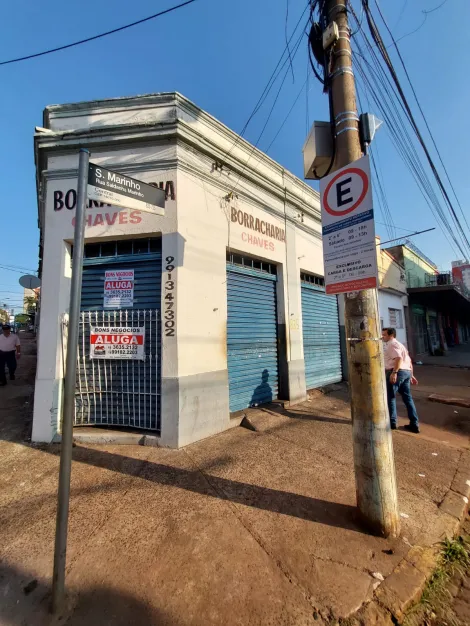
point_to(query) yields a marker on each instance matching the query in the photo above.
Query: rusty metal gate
(114, 392)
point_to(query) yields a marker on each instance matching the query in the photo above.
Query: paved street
(242, 528)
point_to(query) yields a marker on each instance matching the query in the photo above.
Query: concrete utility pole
(376, 489)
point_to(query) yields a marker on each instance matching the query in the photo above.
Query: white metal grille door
(115, 392)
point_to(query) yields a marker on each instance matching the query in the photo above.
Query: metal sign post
(58, 579)
(100, 184)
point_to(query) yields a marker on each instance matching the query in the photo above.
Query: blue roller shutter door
(251, 337)
(322, 351)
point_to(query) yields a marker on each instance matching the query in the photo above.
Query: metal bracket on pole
(63, 498)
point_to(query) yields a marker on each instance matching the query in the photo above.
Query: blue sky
(220, 55)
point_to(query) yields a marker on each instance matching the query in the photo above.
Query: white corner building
(227, 286)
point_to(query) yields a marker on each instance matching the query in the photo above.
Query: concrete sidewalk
(247, 528)
(459, 356)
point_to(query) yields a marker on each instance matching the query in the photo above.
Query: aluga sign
(117, 342)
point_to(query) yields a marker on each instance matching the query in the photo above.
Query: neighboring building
(439, 306)
(393, 298)
(461, 273)
(227, 285)
(30, 293)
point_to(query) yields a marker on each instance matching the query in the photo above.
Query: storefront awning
(447, 299)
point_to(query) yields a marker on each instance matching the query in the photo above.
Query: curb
(406, 583)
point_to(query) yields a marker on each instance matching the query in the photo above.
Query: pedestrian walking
(399, 375)
(10, 351)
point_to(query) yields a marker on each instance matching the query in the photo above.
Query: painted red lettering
(123, 217)
(110, 219)
(98, 220)
(135, 217)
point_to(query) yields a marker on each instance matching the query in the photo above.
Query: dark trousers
(403, 387)
(8, 359)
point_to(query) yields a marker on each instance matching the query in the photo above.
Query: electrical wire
(109, 32)
(382, 49)
(382, 90)
(421, 109)
(287, 41)
(12, 269)
(296, 49)
(288, 114)
(269, 85)
(378, 189)
(399, 136)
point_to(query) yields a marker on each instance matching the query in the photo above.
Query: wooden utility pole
(376, 489)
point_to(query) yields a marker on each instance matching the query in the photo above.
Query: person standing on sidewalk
(10, 350)
(399, 375)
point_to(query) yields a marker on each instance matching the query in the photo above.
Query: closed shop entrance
(112, 389)
(252, 346)
(419, 329)
(320, 325)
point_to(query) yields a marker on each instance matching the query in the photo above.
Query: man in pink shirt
(399, 374)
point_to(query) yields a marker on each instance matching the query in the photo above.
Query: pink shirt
(394, 349)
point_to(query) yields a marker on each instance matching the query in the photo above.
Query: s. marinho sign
(117, 342)
(348, 228)
(120, 190)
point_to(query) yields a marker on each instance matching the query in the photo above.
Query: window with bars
(319, 281)
(396, 318)
(249, 263)
(121, 247)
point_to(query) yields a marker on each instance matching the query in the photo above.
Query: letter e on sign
(346, 192)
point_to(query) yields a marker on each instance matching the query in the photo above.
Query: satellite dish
(28, 281)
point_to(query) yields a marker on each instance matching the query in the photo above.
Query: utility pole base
(372, 436)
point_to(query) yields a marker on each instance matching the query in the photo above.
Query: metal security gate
(251, 333)
(121, 392)
(321, 337)
(112, 392)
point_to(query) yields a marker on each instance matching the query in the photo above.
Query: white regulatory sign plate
(348, 229)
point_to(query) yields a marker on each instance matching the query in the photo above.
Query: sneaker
(412, 429)
(393, 426)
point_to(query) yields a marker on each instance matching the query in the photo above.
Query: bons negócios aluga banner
(117, 342)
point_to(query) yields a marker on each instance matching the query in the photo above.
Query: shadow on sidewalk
(26, 600)
(264, 498)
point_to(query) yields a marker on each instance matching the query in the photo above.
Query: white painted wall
(111, 223)
(393, 301)
(197, 230)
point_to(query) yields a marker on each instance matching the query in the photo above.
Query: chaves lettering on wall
(67, 200)
(263, 227)
(170, 301)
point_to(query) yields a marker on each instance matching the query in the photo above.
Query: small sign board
(348, 229)
(118, 289)
(117, 342)
(119, 190)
